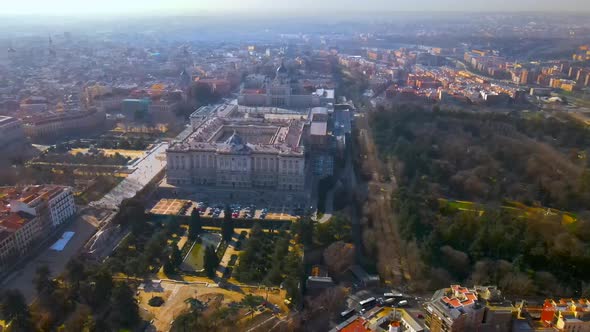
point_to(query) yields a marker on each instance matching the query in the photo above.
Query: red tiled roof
(356, 326)
(455, 303)
(14, 221)
(462, 290)
(467, 302)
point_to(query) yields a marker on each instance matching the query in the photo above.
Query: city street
(84, 226)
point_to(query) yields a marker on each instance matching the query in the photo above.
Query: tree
(43, 283)
(306, 230)
(168, 267)
(46, 288)
(211, 261)
(81, 320)
(227, 226)
(252, 302)
(176, 256)
(202, 94)
(173, 226)
(14, 309)
(103, 287)
(190, 321)
(195, 226)
(339, 256)
(75, 273)
(124, 308)
(131, 213)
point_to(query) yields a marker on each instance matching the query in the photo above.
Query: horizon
(300, 8)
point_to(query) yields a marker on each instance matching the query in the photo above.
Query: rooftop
(319, 128)
(56, 117)
(27, 195)
(356, 325)
(6, 120)
(455, 301)
(12, 222)
(257, 135)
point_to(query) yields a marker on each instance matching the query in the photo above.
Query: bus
(367, 302)
(347, 313)
(389, 301)
(397, 294)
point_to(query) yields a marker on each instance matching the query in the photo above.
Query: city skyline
(300, 7)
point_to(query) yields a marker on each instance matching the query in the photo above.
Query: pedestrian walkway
(146, 169)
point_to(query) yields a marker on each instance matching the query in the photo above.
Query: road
(84, 226)
(329, 207)
(146, 169)
(86, 223)
(343, 126)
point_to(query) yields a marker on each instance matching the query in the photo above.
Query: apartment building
(460, 309)
(28, 213)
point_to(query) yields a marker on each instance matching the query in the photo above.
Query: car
(420, 316)
(234, 215)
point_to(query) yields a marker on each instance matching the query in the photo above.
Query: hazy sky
(143, 7)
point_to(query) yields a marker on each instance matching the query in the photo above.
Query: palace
(240, 153)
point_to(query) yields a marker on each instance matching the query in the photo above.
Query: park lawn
(519, 208)
(462, 205)
(110, 152)
(195, 258)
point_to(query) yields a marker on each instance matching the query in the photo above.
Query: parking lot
(217, 210)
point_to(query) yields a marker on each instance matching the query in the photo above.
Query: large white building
(26, 214)
(240, 154)
(56, 124)
(55, 201)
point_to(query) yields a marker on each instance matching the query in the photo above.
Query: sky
(190, 7)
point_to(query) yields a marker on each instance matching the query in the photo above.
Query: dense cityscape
(393, 171)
